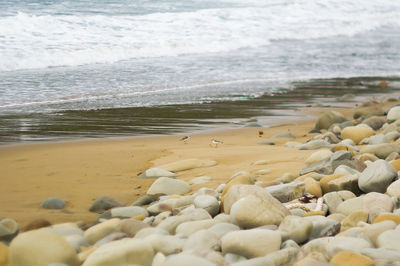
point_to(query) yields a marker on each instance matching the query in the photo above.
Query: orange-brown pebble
(314, 213)
(325, 180)
(387, 217)
(347, 258)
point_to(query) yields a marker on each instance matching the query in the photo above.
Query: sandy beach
(79, 172)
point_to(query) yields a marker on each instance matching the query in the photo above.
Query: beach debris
(185, 139)
(215, 143)
(260, 133)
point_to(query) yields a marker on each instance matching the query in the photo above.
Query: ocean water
(84, 55)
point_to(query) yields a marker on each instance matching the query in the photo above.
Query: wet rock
(41, 247)
(375, 122)
(329, 118)
(122, 252)
(377, 177)
(357, 133)
(105, 203)
(251, 243)
(156, 173)
(368, 111)
(169, 186)
(53, 203)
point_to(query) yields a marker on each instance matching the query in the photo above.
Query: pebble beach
(320, 191)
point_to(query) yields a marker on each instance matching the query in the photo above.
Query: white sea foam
(47, 40)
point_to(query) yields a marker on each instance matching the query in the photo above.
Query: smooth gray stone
(53, 203)
(322, 227)
(329, 118)
(375, 122)
(208, 203)
(329, 165)
(377, 177)
(287, 192)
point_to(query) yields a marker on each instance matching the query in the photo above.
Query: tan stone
(387, 217)
(314, 213)
(347, 258)
(313, 187)
(353, 218)
(325, 180)
(3, 255)
(344, 148)
(396, 164)
(357, 133)
(240, 180)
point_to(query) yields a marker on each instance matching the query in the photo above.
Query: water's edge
(184, 118)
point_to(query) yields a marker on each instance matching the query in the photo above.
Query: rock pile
(343, 209)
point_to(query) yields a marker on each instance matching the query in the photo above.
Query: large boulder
(377, 177)
(41, 247)
(329, 118)
(252, 206)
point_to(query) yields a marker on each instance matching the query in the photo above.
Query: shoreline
(109, 167)
(191, 118)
